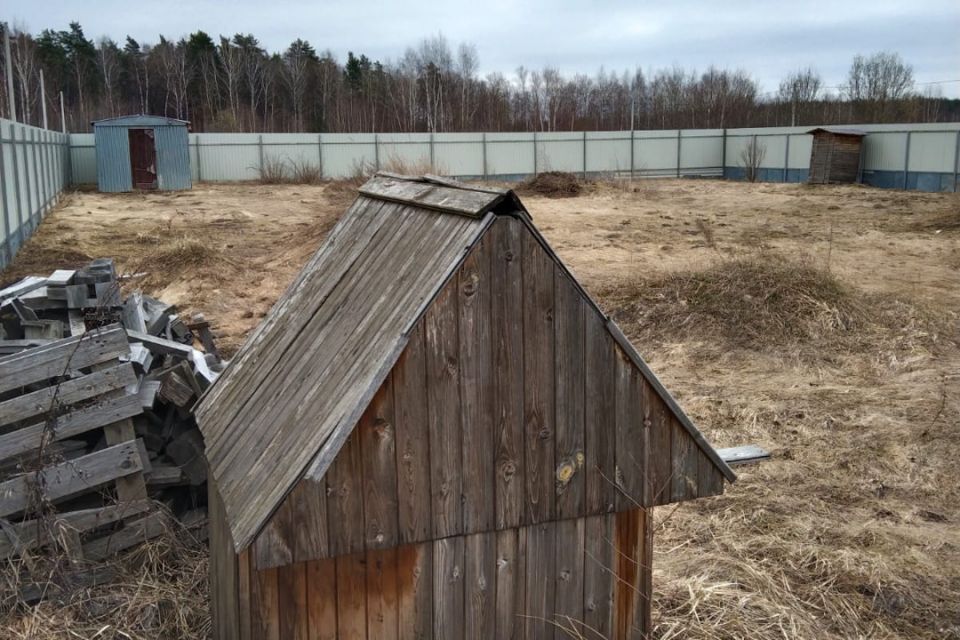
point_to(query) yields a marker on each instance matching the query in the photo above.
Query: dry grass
(159, 591)
(755, 301)
(552, 184)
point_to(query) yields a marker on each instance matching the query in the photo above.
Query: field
(820, 323)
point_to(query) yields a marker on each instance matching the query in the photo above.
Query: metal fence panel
(32, 178)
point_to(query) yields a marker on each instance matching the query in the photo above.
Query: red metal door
(143, 159)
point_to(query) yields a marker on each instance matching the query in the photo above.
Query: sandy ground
(851, 531)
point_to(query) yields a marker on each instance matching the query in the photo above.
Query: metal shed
(835, 155)
(142, 152)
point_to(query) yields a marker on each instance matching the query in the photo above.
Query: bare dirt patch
(849, 375)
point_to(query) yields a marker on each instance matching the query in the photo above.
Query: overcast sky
(766, 38)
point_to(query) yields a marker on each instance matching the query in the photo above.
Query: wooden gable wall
(512, 405)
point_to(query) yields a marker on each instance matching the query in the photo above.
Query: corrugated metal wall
(113, 159)
(34, 170)
(111, 154)
(918, 156)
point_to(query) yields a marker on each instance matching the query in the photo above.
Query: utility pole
(43, 100)
(9, 67)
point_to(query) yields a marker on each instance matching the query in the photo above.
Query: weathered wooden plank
(645, 594)
(132, 533)
(569, 368)
(308, 504)
(382, 601)
(160, 346)
(506, 306)
(476, 388)
(629, 601)
(511, 584)
(264, 604)
(134, 318)
(684, 455)
(223, 571)
(415, 590)
(538, 380)
(322, 599)
(443, 401)
(432, 196)
(568, 599)
(273, 547)
(73, 477)
(600, 416)
(541, 584)
(377, 433)
(131, 487)
(413, 437)
(244, 591)
(66, 393)
(660, 440)
(292, 598)
(21, 536)
(480, 584)
(630, 435)
(352, 597)
(709, 478)
(599, 570)
(448, 587)
(345, 499)
(57, 358)
(105, 411)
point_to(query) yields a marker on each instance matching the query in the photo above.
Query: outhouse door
(143, 159)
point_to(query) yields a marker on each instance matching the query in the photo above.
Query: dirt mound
(752, 302)
(552, 184)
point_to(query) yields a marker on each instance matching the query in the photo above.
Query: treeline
(235, 84)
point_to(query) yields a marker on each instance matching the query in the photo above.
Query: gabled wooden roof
(293, 394)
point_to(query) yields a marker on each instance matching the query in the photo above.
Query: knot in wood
(544, 433)
(470, 285)
(565, 575)
(508, 256)
(508, 469)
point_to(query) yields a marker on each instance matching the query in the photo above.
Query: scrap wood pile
(98, 445)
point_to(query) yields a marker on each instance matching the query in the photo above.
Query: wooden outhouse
(835, 155)
(436, 433)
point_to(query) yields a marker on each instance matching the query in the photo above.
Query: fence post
(723, 154)
(534, 154)
(679, 137)
(7, 209)
(376, 152)
(16, 178)
(196, 143)
(433, 167)
(483, 144)
(27, 148)
(260, 151)
(320, 154)
(631, 153)
(584, 154)
(786, 160)
(906, 160)
(956, 161)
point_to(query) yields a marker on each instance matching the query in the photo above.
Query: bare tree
(877, 81)
(751, 157)
(27, 70)
(799, 90)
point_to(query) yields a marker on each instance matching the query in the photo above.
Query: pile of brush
(99, 450)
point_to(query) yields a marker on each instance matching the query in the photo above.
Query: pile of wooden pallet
(98, 445)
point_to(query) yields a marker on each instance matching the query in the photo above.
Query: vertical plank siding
(506, 276)
(539, 380)
(379, 469)
(444, 413)
(569, 367)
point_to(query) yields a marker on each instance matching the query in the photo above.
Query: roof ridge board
(320, 463)
(431, 195)
(638, 360)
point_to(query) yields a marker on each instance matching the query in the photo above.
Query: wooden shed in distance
(436, 433)
(835, 155)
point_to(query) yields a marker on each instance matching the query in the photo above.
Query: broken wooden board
(57, 358)
(745, 454)
(72, 478)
